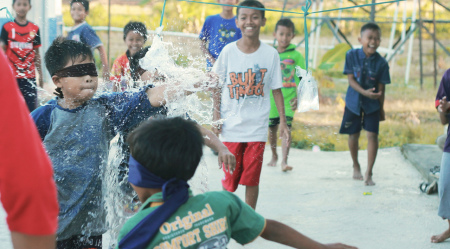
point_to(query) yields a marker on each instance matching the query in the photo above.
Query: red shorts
(249, 158)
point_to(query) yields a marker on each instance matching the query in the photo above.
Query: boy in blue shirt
(164, 156)
(83, 32)
(219, 30)
(76, 129)
(368, 73)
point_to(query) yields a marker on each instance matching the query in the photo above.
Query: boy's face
(284, 36)
(78, 12)
(134, 42)
(78, 89)
(250, 22)
(21, 7)
(370, 40)
(229, 2)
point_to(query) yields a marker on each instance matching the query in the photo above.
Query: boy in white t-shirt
(248, 69)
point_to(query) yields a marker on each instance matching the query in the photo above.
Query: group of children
(256, 94)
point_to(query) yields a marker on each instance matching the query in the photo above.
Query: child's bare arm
(443, 110)
(283, 234)
(279, 102)
(382, 89)
(369, 93)
(105, 64)
(38, 64)
(213, 142)
(217, 98)
(206, 52)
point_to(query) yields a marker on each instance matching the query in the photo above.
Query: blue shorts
(352, 123)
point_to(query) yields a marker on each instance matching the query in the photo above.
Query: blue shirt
(368, 72)
(444, 91)
(219, 32)
(85, 34)
(77, 142)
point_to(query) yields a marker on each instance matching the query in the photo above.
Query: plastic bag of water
(307, 91)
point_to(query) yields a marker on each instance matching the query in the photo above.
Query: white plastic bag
(307, 92)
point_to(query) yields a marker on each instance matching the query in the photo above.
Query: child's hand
(284, 132)
(371, 94)
(382, 115)
(444, 105)
(227, 159)
(339, 246)
(293, 103)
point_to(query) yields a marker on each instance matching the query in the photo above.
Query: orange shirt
(120, 72)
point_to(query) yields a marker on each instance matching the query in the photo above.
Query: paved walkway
(320, 199)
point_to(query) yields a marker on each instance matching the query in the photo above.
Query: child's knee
(354, 136)
(372, 136)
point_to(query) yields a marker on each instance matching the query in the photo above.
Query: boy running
(248, 69)
(368, 74)
(164, 156)
(290, 58)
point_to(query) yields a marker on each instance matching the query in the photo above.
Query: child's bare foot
(273, 162)
(357, 173)
(285, 167)
(369, 181)
(441, 237)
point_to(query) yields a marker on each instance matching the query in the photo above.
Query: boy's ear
(263, 22)
(57, 81)
(359, 39)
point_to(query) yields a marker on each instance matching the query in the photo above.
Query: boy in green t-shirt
(290, 58)
(164, 155)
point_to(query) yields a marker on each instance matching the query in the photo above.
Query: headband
(175, 193)
(77, 70)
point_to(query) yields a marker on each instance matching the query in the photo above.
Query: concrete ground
(320, 199)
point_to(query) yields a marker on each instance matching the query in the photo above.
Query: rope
(8, 14)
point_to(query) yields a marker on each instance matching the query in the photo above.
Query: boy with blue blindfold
(164, 155)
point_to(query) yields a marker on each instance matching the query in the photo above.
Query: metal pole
(313, 26)
(420, 46)
(434, 44)
(316, 49)
(337, 23)
(109, 30)
(372, 11)
(411, 43)
(394, 24)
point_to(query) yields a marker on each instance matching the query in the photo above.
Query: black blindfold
(77, 71)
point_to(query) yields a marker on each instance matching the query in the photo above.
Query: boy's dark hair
(251, 3)
(14, 1)
(167, 147)
(370, 26)
(285, 22)
(136, 27)
(135, 68)
(63, 51)
(85, 4)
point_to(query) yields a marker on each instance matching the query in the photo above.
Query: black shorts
(352, 123)
(29, 91)
(276, 121)
(80, 242)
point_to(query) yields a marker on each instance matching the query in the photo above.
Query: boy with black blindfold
(164, 155)
(76, 128)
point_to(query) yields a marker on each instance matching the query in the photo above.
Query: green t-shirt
(205, 221)
(289, 59)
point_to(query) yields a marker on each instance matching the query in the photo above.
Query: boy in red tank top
(21, 40)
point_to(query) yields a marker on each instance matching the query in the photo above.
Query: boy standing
(219, 30)
(164, 156)
(134, 36)
(248, 69)
(83, 32)
(21, 40)
(290, 58)
(76, 129)
(368, 73)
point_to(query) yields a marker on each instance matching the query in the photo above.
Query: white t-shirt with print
(246, 81)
